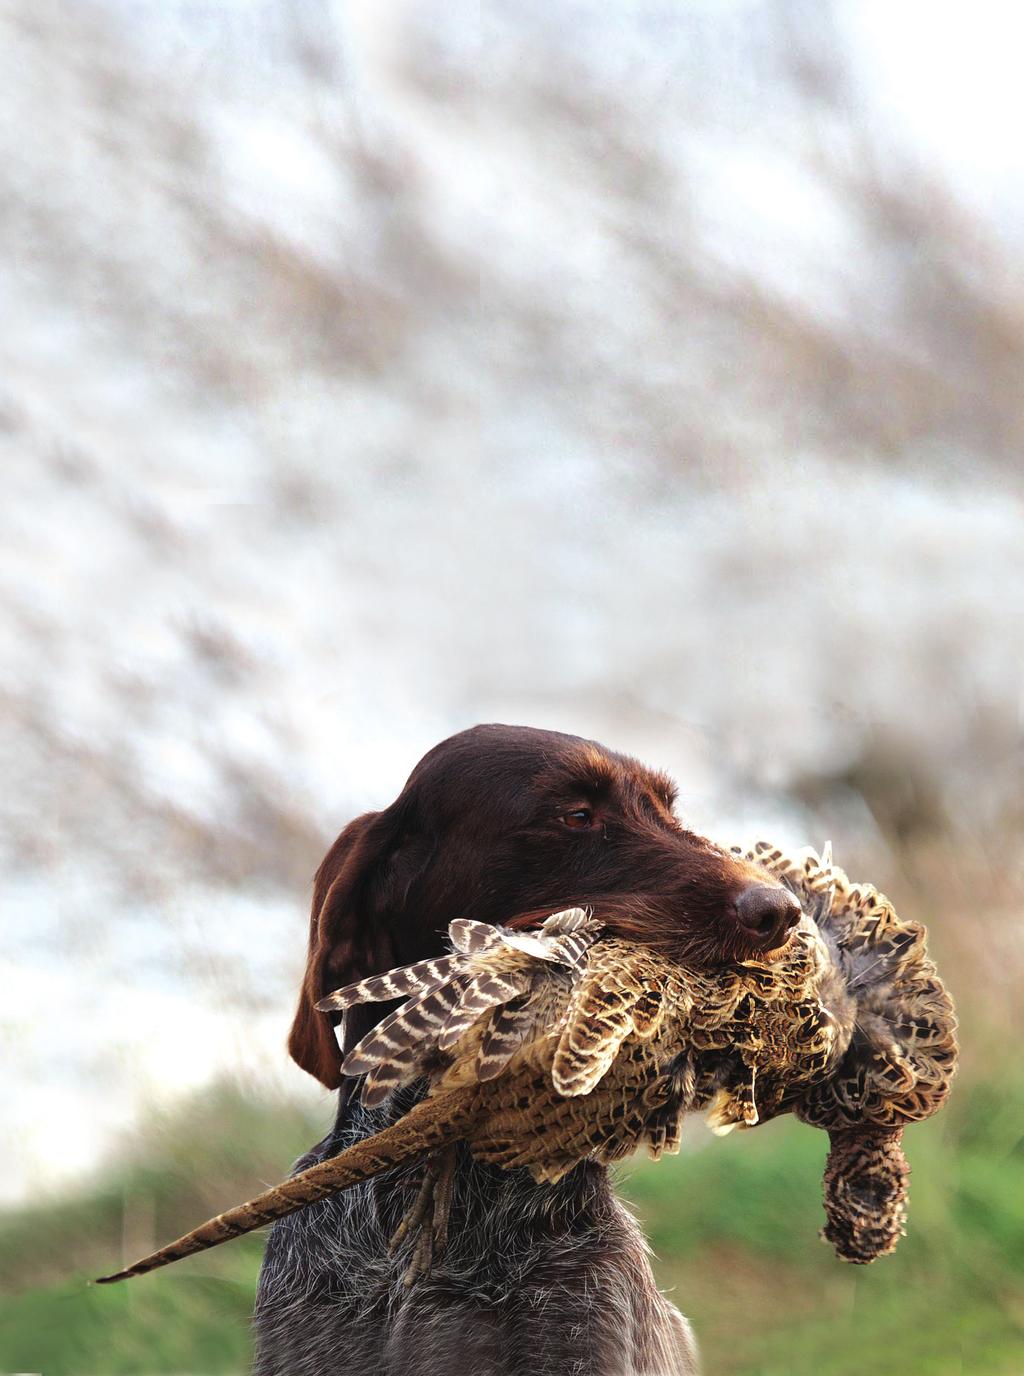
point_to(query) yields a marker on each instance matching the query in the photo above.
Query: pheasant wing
(616, 997)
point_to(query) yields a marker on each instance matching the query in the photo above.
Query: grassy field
(733, 1224)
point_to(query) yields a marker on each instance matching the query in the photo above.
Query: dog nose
(768, 913)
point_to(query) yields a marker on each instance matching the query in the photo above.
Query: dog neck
(532, 1277)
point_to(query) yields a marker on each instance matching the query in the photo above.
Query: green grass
(194, 1324)
(734, 1225)
(214, 1150)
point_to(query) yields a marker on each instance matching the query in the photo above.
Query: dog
(502, 824)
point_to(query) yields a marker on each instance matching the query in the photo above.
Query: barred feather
(571, 949)
(395, 984)
(510, 1025)
(568, 920)
(406, 1031)
(473, 938)
(491, 966)
(481, 992)
(572, 933)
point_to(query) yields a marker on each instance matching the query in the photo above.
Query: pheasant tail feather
(432, 1123)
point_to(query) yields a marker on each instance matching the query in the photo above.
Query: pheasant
(543, 1048)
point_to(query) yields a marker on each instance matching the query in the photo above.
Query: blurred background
(650, 372)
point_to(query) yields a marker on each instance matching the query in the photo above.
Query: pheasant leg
(413, 1218)
(444, 1187)
(429, 1215)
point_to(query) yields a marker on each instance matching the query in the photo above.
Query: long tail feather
(433, 1122)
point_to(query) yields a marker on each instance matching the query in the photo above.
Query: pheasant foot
(428, 1218)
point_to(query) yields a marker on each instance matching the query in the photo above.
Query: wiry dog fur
(535, 1280)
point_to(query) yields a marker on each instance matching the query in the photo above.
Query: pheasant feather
(410, 979)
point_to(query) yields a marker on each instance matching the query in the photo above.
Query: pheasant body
(549, 1047)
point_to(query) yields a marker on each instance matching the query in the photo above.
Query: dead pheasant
(548, 1047)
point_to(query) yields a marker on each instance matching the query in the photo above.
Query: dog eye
(579, 819)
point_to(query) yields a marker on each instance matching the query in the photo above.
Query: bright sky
(943, 73)
(949, 74)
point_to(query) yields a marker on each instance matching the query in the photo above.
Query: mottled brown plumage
(548, 1047)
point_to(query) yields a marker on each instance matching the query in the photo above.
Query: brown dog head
(503, 823)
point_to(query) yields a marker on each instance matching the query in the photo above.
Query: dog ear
(356, 927)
